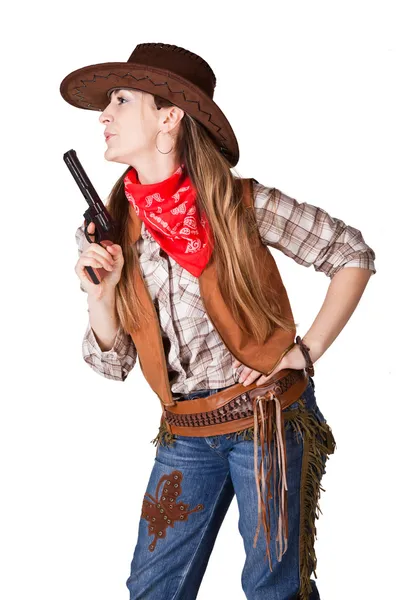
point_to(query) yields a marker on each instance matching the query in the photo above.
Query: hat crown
(178, 61)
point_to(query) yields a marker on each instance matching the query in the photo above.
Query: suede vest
(261, 357)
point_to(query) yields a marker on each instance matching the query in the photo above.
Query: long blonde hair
(219, 196)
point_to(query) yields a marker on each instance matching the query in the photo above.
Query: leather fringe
(248, 434)
(269, 409)
(318, 442)
(163, 437)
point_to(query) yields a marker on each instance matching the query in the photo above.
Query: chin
(115, 159)
(110, 155)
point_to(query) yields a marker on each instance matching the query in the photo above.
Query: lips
(108, 135)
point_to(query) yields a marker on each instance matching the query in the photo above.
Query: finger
(90, 261)
(114, 249)
(99, 252)
(91, 229)
(98, 259)
(267, 378)
(251, 377)
(245, 372)
(80, 268)
(263, 380)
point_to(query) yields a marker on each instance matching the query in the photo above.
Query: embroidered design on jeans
(163, 510)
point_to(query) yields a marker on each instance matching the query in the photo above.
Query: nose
(106, 115)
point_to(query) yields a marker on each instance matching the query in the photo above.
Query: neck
(154, 171)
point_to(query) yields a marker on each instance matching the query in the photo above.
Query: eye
(121, 98)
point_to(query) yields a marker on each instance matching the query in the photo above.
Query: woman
(189, 266)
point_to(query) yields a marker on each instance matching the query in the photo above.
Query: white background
(312, 92)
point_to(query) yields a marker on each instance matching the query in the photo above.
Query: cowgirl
(193, 291)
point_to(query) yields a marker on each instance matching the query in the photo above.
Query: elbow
(363, 261)
(362, 273)
(103, 369)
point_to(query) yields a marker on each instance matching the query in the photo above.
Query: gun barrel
(97, 212)
(85, 185)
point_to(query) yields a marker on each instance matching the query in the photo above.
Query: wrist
(105, 297)
(316, 350)
(307, 355)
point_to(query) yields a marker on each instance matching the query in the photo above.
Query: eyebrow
(116, 91)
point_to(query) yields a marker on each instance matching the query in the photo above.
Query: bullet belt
(232, 409)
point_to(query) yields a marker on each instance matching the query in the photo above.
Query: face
(135, 121)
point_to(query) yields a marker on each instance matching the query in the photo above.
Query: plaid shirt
(196, 356)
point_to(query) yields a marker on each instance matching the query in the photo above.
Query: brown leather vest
(261, 357)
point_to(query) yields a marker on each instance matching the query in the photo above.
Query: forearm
(103, 319)
(343, 295)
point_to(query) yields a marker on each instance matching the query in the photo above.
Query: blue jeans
(202, 474)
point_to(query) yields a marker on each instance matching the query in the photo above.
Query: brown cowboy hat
(178, 75)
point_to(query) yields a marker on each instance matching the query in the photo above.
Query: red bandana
(168, 208)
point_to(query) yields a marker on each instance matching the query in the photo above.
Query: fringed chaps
(318, 443)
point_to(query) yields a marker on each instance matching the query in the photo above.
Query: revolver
(105, 232)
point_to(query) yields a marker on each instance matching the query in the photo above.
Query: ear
(173, 116)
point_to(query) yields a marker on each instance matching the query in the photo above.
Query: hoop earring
(158, 147)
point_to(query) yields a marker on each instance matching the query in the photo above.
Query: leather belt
(232, 409)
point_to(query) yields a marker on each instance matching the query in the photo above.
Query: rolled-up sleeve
(115, 363)
(308, 234)
(81, 240)
(80, 237)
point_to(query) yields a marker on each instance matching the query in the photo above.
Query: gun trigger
(89, 234)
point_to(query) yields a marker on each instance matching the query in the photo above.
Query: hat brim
(87, 88)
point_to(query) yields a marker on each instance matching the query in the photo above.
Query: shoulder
(271, 198)
(261, 192)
